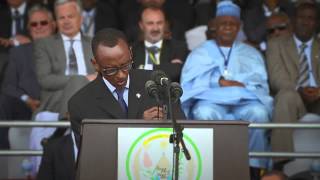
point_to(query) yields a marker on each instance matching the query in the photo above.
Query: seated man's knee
(205, 112)
(258, 114)
(287, 96)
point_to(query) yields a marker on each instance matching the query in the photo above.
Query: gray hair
(61, 2)
(37, 8)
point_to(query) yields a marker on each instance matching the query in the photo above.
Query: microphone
(160, 78)
(152, 89)
(176, 91)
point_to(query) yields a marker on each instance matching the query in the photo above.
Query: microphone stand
(176, 138)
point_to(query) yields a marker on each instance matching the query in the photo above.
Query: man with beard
(155, 52)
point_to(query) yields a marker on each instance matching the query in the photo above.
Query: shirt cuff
(24, 98)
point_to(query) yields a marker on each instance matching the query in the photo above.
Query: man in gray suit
(63, 60)
(294, 73)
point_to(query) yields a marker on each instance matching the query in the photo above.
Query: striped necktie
(18, 21)
(73, 66)
(303, 80)
(152, 51)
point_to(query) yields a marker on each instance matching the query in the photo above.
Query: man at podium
(118, 91)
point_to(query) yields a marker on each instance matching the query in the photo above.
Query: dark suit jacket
(6, 23)
(20, 77)
(58, 161)
(95, 101)
(106, 16)
(171, 49)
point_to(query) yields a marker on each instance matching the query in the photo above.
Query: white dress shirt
(78, 49)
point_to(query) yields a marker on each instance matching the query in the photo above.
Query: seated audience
(20, 90)
(154, 51)
(293, 67)
(226, 79)
(63, 60)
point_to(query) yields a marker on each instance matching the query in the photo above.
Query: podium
(221, 152)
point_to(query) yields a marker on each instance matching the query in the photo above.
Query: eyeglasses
(279, 27)
(42, 23)
(114, 70)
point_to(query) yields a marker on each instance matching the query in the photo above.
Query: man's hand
(91, 77)
(4, 42)
(309, 94)
(154, 113)
(33, 103)
(22, 39)
(226, 83)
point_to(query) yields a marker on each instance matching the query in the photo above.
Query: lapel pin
(138, 95)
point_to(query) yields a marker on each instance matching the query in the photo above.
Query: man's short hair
(305, 5)
(107, 37)
(153, 7)
(61, 2)
(37, 8)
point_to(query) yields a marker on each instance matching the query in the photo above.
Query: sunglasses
(42, 23)
(114, 70)
(279, 27)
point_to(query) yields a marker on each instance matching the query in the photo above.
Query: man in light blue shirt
(224, 79)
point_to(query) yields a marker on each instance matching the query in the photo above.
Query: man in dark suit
(63, 60)
(118, 92)
(98, 15)
(21, 91)
(58, 160)
(13, 18)
(155, 52)
(294, 74)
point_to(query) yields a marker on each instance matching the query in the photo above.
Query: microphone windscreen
(157, 75)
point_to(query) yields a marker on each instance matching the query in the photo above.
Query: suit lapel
(87, 53)
(164, 55)
(139, 55)
(106, 100)
(315, 60)
(135, 96)
(58, 48)
(292, 63)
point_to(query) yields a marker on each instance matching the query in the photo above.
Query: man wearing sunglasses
(294, 75)
(20, 90)
(118, 91)
(278, 25)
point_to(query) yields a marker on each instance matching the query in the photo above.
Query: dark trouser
(11, 108)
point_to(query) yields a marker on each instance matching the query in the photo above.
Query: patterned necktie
(121, 101)
(303, 80)
(17, 18)
(73, 67)
(152, 51)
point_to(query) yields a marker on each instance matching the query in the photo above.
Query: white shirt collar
(88, 13)
(21, 8)
(158, 44)
(298, 42)
(267, 12)
(111, 87)
(77, 37)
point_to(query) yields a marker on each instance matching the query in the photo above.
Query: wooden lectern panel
(98, 154)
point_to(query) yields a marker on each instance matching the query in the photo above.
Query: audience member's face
(108, 58)
(227, 30)
(15, 3)
(152, 24)
(69, 19)
(277, 26)
(40, 25)
(305, 24)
